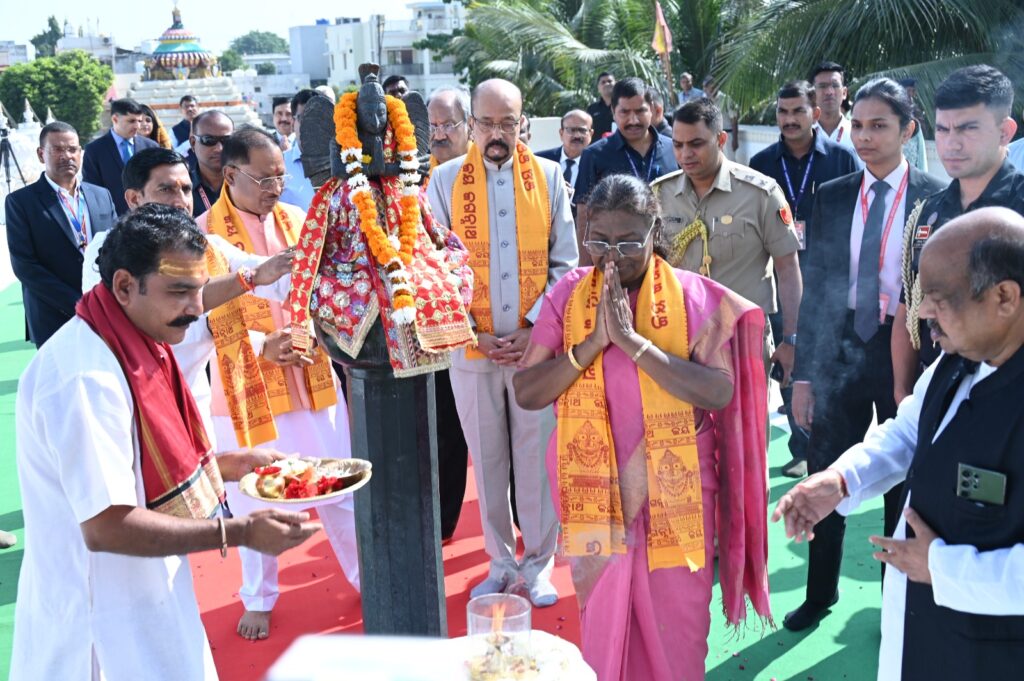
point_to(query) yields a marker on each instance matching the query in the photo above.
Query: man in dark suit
(843, 370)
(800, 162)
(575, 133)
(48, 225)
(189, 110)
(105, 156)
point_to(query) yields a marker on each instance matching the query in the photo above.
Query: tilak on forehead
(179, 266)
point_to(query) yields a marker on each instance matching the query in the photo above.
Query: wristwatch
(791, 339)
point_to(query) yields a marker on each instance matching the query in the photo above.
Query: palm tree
(554, 50)
(923, 39)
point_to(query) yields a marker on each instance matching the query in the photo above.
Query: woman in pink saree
(661, 407)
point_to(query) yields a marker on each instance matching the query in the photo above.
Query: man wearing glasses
(575, 132)
(306, 407)
(511, 209)
(209, 130)
(448, 113)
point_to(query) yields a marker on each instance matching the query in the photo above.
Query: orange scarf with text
(533, 228)
(255, 389)
(588, 475)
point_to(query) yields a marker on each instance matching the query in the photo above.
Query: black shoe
(807, 614)
(796, 468)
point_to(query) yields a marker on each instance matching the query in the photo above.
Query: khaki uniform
(748, 222)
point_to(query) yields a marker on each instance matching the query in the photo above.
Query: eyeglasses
(507, 127)
(577, 131)
(211, 140)
(626, 249)
(59, 151)
(445, 128)
(268, 184)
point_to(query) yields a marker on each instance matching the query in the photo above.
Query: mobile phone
(777, 372)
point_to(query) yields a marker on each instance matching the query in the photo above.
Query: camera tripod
(6, 156)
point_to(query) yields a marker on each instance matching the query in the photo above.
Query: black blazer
(182, 130)
(552, 154)
(45, 254)
(826, 273)
(103, 166)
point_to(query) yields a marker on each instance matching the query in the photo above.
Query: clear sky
(216, 22)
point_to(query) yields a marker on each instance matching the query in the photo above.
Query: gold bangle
(572, 360)
(642, 350)
(223, 537)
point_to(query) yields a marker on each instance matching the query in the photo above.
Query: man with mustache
(49, 224)
(731, 223)
(829, 80)
(973, 126)
(801, 161)
(118, 479)
(600, 109)
(209, 130)
(448, 113)
(511, 209)
(575, 132)
(635, 148)
(952, 603)
(292, 401)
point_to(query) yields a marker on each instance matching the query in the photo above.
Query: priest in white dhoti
(953, 593)
(117, 478)
(279, 397)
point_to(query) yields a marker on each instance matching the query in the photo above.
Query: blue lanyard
(77, 223)
(652, 152)
(794, 198)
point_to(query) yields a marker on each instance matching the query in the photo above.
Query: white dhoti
(321, 433)
(498, 430)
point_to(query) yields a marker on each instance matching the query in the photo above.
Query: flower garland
(393, 254)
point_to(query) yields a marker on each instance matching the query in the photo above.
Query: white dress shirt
(1015, 155)
(574, 172)
(75, 199)
(890, 278)
(843, 135)
(963, 578)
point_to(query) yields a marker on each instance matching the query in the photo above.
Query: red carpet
(316, 598)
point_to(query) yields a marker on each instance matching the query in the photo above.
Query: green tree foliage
(46, 42)
(266, 69)
(553, 50)
(924, 39)
(230, 61)
(259, 42)
(72, 84)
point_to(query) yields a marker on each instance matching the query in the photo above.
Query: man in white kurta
(497, 430)
(91, 614)
(962, 578)
(79, 614)
(251, 162)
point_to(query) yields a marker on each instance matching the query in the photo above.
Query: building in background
(12, 53)
(308, 45)
(390, 43)
(281, 61)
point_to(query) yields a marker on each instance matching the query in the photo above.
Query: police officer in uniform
(973, 126)
(730, 222)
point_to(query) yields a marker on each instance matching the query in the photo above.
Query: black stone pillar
(393, 424)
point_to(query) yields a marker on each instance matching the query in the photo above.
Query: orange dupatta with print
(592, 513)
(470, 220)
(180, 476)
(255, 389)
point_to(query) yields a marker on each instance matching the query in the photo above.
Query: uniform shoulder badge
(751, 176)
(664, 178)
(785, 214)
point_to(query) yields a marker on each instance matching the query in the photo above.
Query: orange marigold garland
(393, 254)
